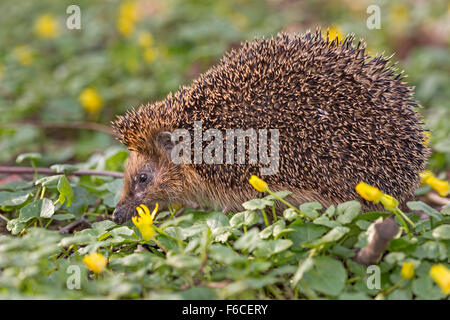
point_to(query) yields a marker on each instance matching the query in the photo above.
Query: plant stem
(285, 202)
(266, 221)
(403, 222)
(405, 217)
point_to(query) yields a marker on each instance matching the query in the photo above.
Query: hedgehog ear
(165, 141)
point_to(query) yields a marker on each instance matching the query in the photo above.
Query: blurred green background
(60, 88)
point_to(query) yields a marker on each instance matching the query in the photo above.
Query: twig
(384, 233)
(46, 171)
(435, 198)
(71, 226)
(64, 125)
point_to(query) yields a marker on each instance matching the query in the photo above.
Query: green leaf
(15, 226)
(327, 276)
(65, 191)
(303, 267)
(325, 221)
(342, 251)
(13, 199)
(47, 208)
(400, 294)
(290, 214)
(446, 210)
(64, 168)
(183, 261)
(225, 255)
(373, 215)
(103, 225)
(348, 211)
(115, 189)
(50, 180)
(247, 218)
(310, 209)
(330, 211)
(115, 159)
(431, 250)
(63, 216)
(198, 293)
(16, 185)
(354, 296)
(249, 241)
(442, 232)
(257, 204)
(274, 229)
(271, 247)
(421, 206)
(305, 233)
(29, 156)
(425, 288)
(332, 236)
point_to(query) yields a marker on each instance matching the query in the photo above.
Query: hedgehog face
(147, 180)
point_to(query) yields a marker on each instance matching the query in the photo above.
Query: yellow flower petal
(91, 101)
(334, 32)
(95, 262)
(46, 26)
(368, 192)
(407, 270)
(24, 55)
(149, 55)
(128, 17)
(425, 175)
(145, 221)
(441, 186)
(388, 201)
(258, 184)
(427, 138)
(441, 275)
(145, 39)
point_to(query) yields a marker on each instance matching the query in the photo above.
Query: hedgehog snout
(120, 214)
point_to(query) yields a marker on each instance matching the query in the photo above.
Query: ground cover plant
(59, 90)
(306, 253)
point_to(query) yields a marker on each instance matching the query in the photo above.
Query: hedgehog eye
(142, 177)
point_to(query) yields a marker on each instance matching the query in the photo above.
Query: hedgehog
(341, 117)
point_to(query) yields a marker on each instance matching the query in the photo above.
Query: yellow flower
(95, 262)
(145, 39)
(46, 26)
(333, 32)
(149, 55)
(91, 100)
(145, 221)
(427, 137)
(425, 175)
(388, 201)
(24, 55)
(398, 16)
(128, 17)
(368, 192)
(407, 270)
(441, 186)
(441, 276)
(258, 184)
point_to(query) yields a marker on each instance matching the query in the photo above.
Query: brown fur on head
(151, 177)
